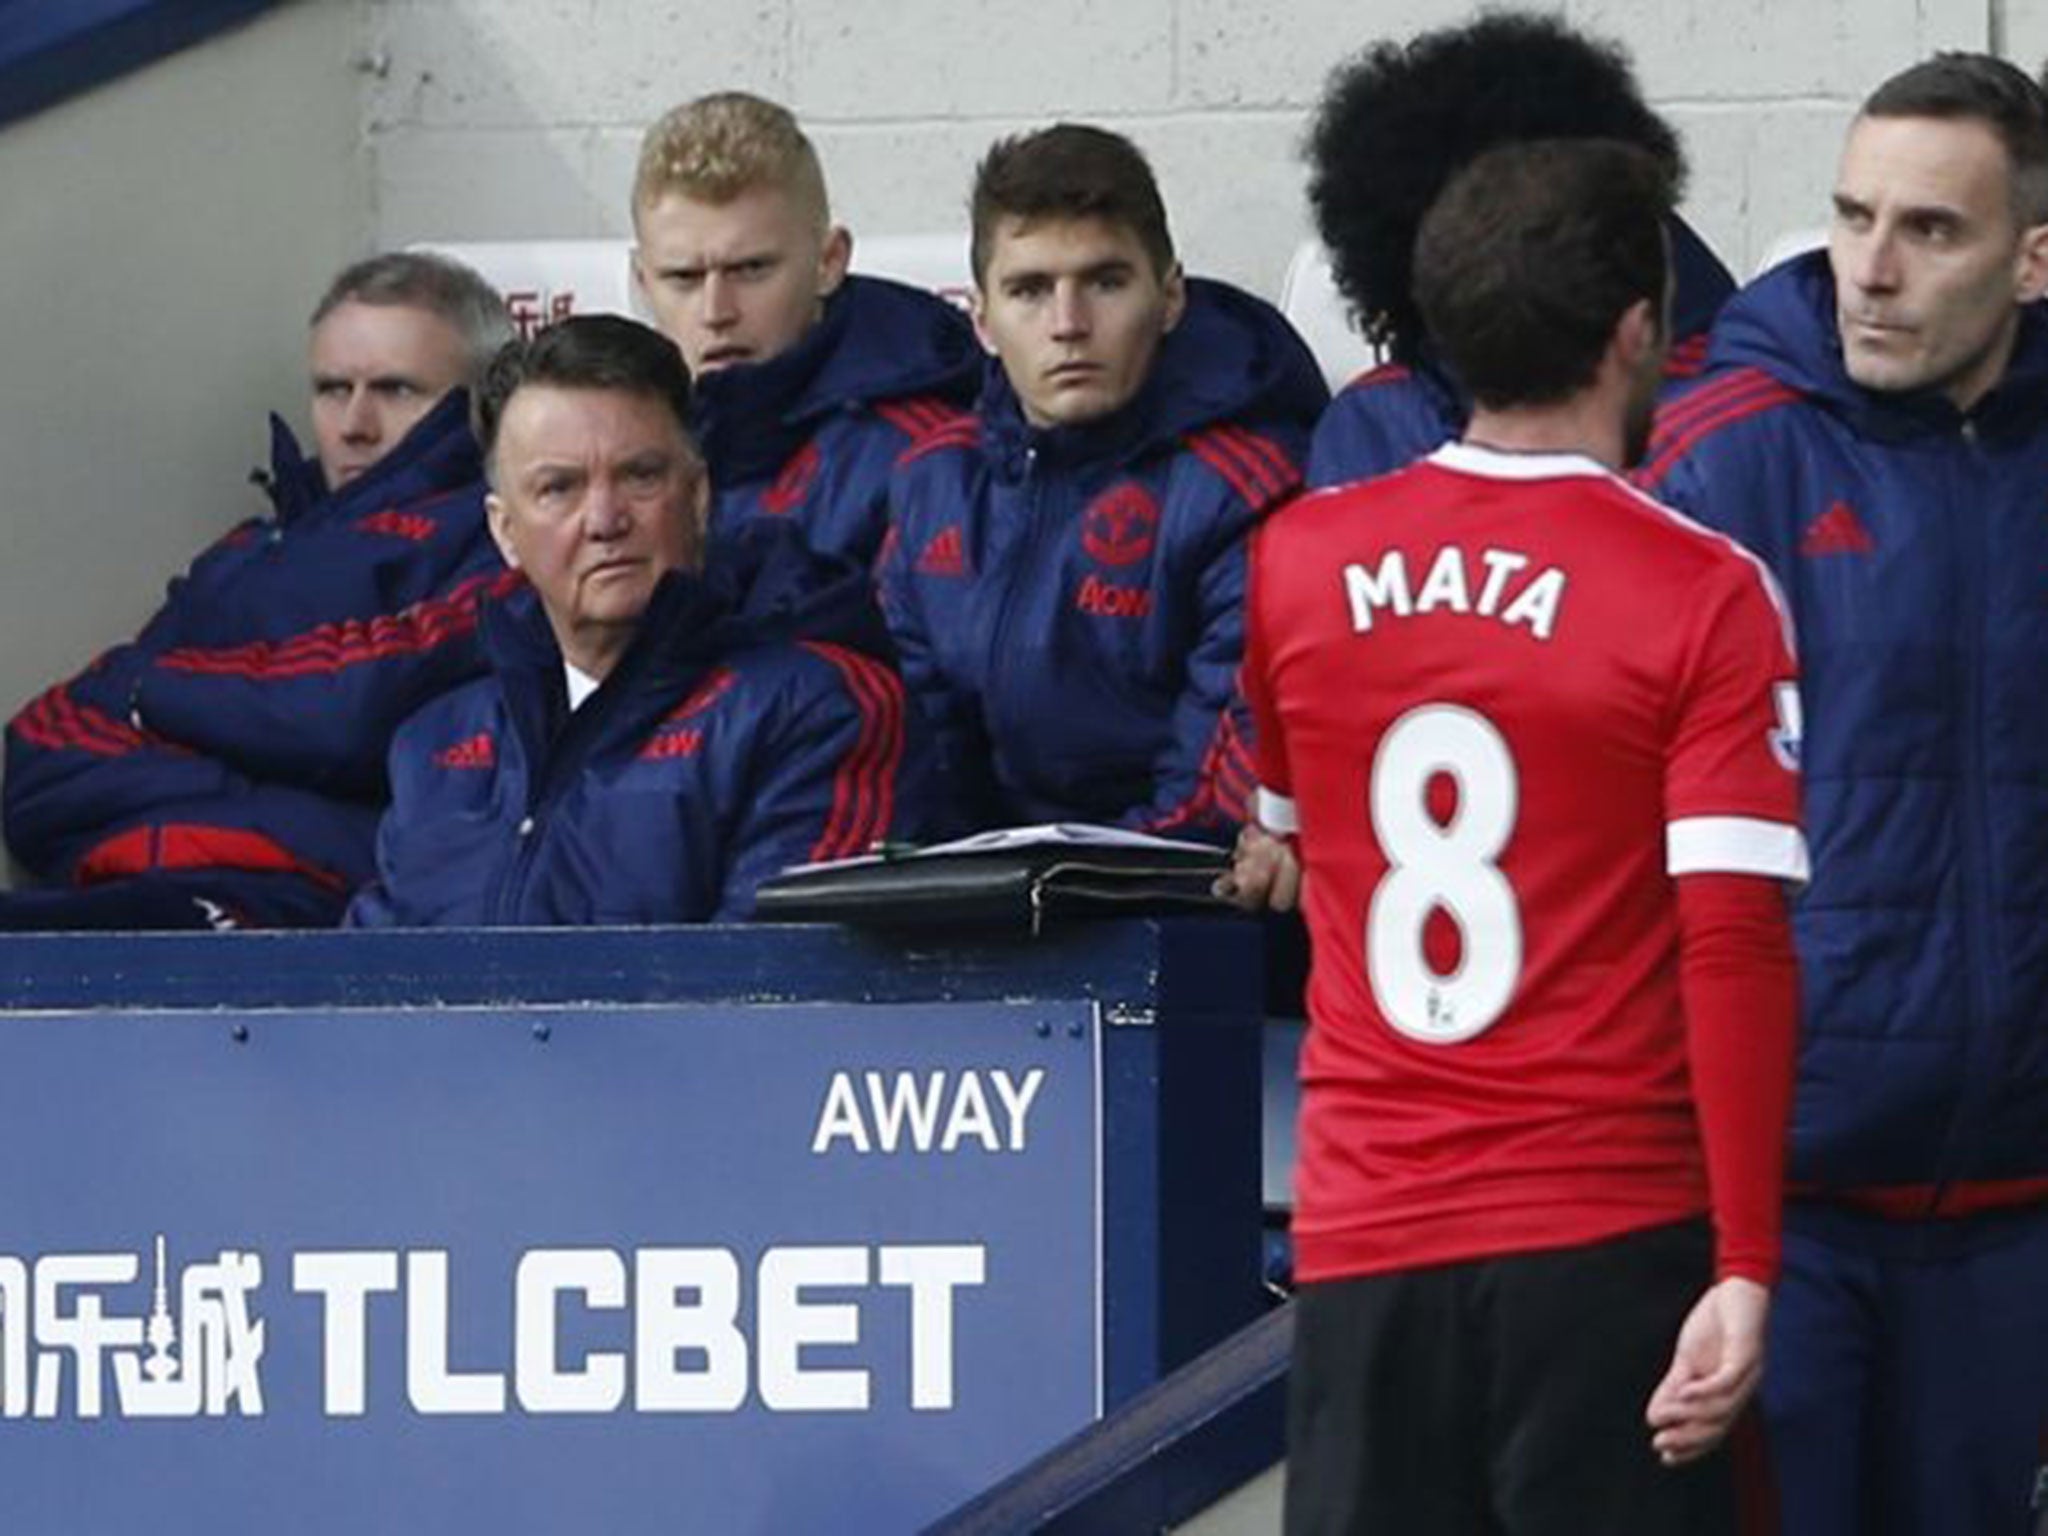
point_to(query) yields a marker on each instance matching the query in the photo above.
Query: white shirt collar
(581, 685)
(1495, 464)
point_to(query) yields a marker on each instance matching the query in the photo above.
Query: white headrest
(936, 260)
(545, 280)
(1793, 243)
(1309, 299)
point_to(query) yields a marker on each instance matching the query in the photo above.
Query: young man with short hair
(1065, 566)
(1874, 424)
(665, 723)
(226, 767)
(1533, 733)
(1394, 126)
(809, 381)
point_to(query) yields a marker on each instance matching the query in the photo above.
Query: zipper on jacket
(1021, 569)
(1979, 854)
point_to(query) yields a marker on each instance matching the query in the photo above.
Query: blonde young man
(809, 381)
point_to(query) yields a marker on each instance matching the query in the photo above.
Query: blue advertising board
(621, 1267)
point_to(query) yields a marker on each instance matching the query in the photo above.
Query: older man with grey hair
(225, 767)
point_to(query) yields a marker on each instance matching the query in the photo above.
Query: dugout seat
(1310, 301)
(1792, 243)
(936, 260)
(546, 280)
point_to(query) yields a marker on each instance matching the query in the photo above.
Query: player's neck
(1584, 425)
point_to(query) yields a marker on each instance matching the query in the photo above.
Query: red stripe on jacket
(864, 785)
(57, 722)
(425, 625)
(1707, 410)
(956, 432)
(195, 845)
(1255, 468)
(917, 414)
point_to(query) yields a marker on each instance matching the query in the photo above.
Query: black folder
(1018, 878)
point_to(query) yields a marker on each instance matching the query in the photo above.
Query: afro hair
(1397, 121)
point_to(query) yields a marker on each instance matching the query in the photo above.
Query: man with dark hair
(1530, 731)
(226, 767)
(662, 727)
(1874, 424)
(1395, 124)
(1065, 568)
(810, 381)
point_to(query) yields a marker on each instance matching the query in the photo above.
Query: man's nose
(719, 307)
(604, 512)
(1872, 261)
(1070, 310)
(359, 420)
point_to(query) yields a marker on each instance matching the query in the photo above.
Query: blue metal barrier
(732, 1230)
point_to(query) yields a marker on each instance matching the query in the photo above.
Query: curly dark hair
(1398, 120)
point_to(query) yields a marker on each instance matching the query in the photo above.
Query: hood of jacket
(439, 453)
(763, 586)
(877, 340)
(1233, 357)
(1784, 324)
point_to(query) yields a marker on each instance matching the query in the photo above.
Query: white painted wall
(161, 241)
(510, 118)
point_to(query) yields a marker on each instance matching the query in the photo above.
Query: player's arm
(1731, 791)
(1741, 995)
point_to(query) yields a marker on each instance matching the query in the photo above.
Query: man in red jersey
(1526, 746)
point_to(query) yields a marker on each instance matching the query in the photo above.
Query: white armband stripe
(1735, 845)
(1276, 813)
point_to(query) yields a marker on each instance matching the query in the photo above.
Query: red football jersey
(1505, 699)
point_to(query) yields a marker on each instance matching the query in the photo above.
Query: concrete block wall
(161, 242)
(520, 118)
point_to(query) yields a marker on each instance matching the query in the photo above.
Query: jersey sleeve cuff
(1735, 845)
(1276, 813)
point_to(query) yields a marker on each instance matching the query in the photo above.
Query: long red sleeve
(1740, 986)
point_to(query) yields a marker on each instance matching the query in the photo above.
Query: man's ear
(700, 516)
(2031, 271)
(833, 260)
(1176, 290)
(1638, 335)
(499, 516)
(977, 311)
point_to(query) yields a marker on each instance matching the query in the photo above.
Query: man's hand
(1714, 1370)
(1263, 873)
